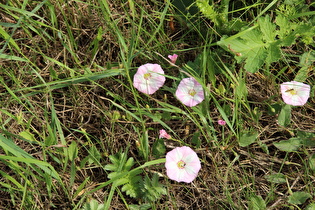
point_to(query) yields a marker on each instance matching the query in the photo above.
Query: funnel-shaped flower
(149, 78)
(173, 58)
(182, 164)
(221, 122)
(190, 92)
(164, 134)
(295, 93)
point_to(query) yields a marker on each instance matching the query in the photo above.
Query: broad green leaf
(249, 47)
(277, 178)
(72, 151)
(274, 109)
(273, 52)
(261, 44)
(285, 28)
(306, 61)
(257, 203)
(301, 75)
(267, 28)
(196, 140)
(247, 138)
(288, 145)
(158, 148)
(241, 89)
(299, 197)
(284, 118)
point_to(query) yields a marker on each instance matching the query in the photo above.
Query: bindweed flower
(173, 58)
(163, 134)
(190, 92)
(295, 93)
(149, 78)
(221, 122)
(182, 164)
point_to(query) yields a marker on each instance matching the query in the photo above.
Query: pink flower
(190, 92)
(221, 122)
(173, 58)
(149, 78)
(163, 134)
(182, 164)
(295, 93)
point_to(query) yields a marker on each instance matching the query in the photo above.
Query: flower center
(291, 91)
(181, 164)
(147, 76)
(192, 92)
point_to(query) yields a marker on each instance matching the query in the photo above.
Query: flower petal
(149, 78)
(192, 164)
(190, 92)
(295, 93)
(164, 134)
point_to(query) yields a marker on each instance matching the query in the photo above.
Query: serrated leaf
(310, 206)
(261, 44)
(257, 203)
(145, 206)
(273, 52)
(301, 75)
(93, 205)
(110, 167)
(249, 47)
(267, 28)
(112, 175)
(299, 197)
(306, 61)
(121, 181)
(114, 159)
(288, 145)
(133, 187)
(247, 138)
(207, 10)
(130, 162)
(153, 189)
(277, 178)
